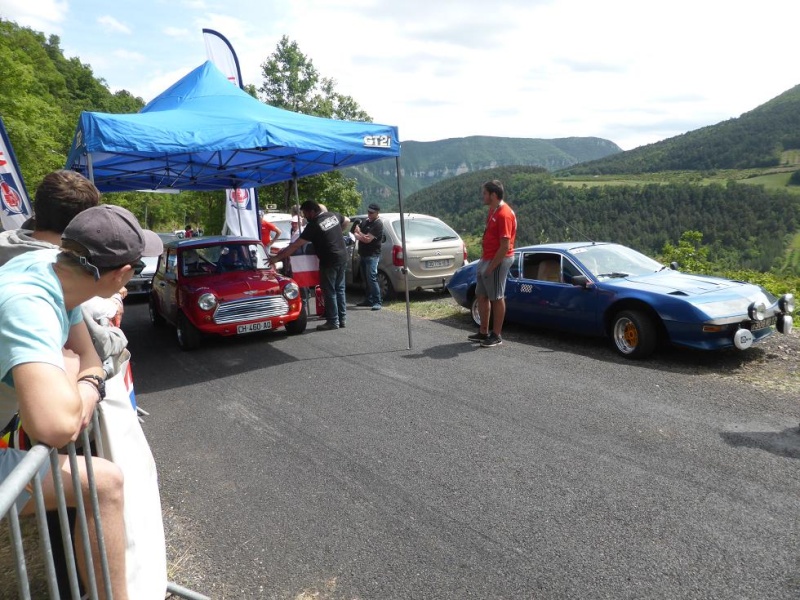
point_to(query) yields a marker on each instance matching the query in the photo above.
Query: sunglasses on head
(138, 267)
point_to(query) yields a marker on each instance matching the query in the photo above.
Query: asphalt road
(343, 465)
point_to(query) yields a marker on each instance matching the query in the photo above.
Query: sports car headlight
(756, 311)
(291, 291)
(207, 301)
(786, 303)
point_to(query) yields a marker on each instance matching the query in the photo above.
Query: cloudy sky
(631, 71)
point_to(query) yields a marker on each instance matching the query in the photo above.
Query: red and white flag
(241, 204)
(15, 208)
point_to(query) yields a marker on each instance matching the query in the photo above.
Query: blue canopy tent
(203, 133)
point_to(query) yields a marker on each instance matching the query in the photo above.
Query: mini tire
(634, 334)
(298, 326)
(155, 317)
(187, 334)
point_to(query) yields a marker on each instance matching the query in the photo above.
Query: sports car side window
(513, 271)
(568, 270)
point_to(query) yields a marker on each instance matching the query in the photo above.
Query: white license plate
(253, 327)
(436, 264)
(756, 325)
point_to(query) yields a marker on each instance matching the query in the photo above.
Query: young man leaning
(56, 390)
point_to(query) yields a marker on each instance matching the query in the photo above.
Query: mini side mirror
(673, 265)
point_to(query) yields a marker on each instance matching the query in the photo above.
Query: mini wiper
(444, 237)
(613, 275)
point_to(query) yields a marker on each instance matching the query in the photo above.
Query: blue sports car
(611, 290)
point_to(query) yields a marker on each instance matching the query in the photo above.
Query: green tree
(690, 253)
(292, 82)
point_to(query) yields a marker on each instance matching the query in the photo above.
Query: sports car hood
(671, 282)
(715, 296)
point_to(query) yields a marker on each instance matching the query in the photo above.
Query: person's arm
(80, 342)
(50, 404)
(499, 255)
(288, 251)
(277, 231)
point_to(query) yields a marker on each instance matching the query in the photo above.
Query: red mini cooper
(222, 285)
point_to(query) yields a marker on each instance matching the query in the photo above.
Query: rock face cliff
(424, 163)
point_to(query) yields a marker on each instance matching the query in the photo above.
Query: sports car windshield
(608, 261)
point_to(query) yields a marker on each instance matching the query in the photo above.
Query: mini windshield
(223, 259)
(425, 230)
(608, 261)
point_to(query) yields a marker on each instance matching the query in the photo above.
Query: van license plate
(436, 264)
(253, 327)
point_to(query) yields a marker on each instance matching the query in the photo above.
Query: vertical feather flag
(15, 208)
(241, 204)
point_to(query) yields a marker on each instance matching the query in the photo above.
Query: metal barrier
(15, 484)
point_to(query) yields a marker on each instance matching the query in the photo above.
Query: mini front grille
(248, 309)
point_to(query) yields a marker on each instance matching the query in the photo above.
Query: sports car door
(543, 294)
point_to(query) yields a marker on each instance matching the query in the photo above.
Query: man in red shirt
(496, 259)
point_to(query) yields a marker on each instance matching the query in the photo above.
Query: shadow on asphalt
(784, 443)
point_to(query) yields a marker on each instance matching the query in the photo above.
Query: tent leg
(403, 238)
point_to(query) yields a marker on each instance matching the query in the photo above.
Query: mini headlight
(756, 311)
(786, 303)
(207, 301)
(291, 291)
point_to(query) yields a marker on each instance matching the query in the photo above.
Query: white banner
(15, 208)
(241, 213)
(241, 205)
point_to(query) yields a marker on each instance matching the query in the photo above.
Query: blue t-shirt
(34, 322)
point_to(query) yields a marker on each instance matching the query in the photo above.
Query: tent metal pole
(238, 213)
(297, 205)
(403, 238)
(90, 166)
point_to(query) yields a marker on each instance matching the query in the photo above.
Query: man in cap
(369, 234)
(54, 391)
(324, 230)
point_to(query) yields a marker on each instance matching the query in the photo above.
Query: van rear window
(425, 230)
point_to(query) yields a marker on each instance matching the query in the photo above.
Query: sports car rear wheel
(634, 334)
(475, 313)
(188, 335)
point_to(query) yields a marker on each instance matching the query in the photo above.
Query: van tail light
(397, 256)
(465, 253)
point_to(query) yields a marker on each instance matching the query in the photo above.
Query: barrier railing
(28, 471)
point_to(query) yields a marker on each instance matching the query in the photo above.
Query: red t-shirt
(501, 223)
(266, 228)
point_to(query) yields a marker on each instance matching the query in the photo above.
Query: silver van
(434, 250)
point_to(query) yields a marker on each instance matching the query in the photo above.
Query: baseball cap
(374, 207)
(112, 236)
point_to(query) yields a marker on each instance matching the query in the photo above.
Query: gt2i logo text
(378, 141)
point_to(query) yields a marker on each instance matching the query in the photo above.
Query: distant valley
(423, 164)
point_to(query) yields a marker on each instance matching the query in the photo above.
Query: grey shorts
(493, 285)
(9, 459)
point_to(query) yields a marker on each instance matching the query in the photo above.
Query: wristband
(98, 382)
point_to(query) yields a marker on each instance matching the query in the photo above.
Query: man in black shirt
(369, 234)
(324, 230)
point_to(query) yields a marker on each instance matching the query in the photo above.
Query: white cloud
(40, 15)
(176, 32)
(113, 25)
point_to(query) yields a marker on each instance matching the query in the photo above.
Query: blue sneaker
(376, 307)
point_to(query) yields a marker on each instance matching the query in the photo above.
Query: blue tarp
(204, 133)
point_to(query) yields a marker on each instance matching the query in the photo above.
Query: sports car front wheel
(634, 334)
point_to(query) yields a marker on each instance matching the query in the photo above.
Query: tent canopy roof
(204, 133)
